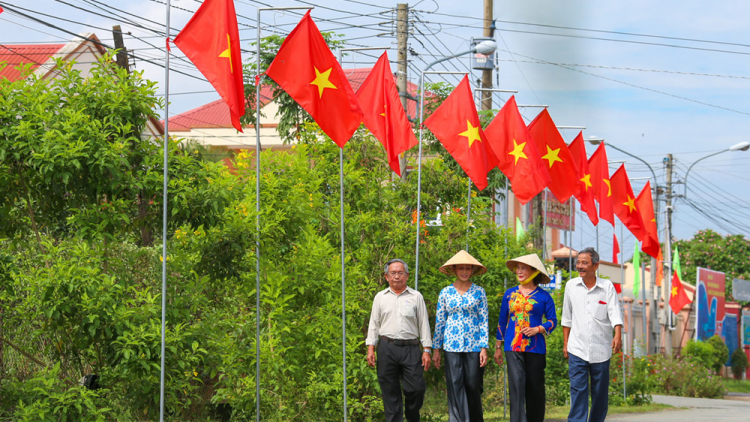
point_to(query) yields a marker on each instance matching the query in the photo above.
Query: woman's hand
(436, 358)
(499, 356)
(483, 358)
(531, 331)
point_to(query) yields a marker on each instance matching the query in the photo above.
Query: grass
(736, 386)
(435, 408)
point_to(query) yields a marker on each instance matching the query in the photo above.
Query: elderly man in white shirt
(590, 313)
(400, 329)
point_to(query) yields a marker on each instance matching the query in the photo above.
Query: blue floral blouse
(519, 311)
(461, 321)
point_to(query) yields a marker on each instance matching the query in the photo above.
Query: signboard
(741, 290)
(710, 288)
(560, 216)
(729, 332)
(746, 328)
(555, 282)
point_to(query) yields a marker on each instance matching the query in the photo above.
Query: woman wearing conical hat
(461, 330)
(527, 317)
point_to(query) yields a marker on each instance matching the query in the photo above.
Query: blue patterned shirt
(461, 321)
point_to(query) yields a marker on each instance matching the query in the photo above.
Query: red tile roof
(14, 55)
(216, 114)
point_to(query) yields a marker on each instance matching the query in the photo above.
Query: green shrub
(722, 353)
(684, 376)
(701, 351)
(739, 363)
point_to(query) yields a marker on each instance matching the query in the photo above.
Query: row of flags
(533, 157)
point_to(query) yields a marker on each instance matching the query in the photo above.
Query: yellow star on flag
(385, 108)
(630, 203)
(471, 132)
(518, 151)
(552, 156)
(674, 291)
(228, 54)
(321, 81)
(587, 181)
(609, 185)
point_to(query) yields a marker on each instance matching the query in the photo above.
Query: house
(210, 124)
(85, 50)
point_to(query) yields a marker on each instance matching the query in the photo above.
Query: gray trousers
(401, 366)
(464, 377)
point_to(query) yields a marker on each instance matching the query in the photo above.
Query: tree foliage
(81, 290)
(708, 249)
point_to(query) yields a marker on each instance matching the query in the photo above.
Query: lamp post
(742, 146)
(595, 141)
(486, 47)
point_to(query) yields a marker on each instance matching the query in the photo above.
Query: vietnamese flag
(211, 41)
(456, 125)
(585, 193)
(308, 71)
(659, 268)
(646, 206)
(615, 249)
(562, 170)
(600, 183)
(623, 203)
(384, 114)
(677, 297)
(517, 153)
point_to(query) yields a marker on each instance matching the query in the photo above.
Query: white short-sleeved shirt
(591, 316)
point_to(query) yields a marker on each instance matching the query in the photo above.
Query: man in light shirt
(400, 330)
(590, 313)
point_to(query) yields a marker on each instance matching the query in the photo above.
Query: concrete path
(698, 410)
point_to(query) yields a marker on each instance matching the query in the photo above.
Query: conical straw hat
(462, 257)
(533, 261)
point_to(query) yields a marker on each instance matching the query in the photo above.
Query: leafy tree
(721, 354)
(739, 363)
(708, 249)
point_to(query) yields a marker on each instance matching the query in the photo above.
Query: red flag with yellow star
(518, 156)
(562, 170)
(585, 193)
(456, 125)
(211, 41)
(646, 207)
(624, 205)
(384, 114)
(677, 297)
(308, 71)
(600, 183)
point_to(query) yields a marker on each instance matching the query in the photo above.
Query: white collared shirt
(400, 317)
(591, 316)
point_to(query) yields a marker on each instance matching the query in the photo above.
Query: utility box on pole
(482, 61)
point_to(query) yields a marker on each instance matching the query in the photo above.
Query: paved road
(698, 410)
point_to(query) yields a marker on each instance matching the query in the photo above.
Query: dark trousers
(401, 366)
(579, 372)
(464, 378)
(526, 385)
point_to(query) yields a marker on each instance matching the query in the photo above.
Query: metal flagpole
(257, 223)
(570, 238)
(419, 157)
(622, 306)
(643, 308)
(257, 205)
(544, 226)
(164, 222)
(343, 251)
(505, 287)
(468, 217)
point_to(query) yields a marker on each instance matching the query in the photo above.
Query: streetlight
(485, 47)
(742, 146)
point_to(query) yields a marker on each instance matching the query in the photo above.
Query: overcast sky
(651, 78)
